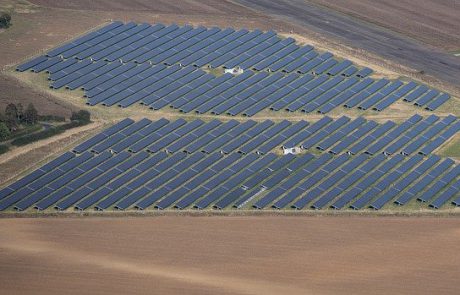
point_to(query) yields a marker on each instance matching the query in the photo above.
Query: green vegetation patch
(3, 149)
(80, 118)
(5, 20)
(452, 149)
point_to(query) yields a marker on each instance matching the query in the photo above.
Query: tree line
(16, 116)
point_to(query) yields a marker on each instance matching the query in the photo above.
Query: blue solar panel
(338, 68)
(398, 187)
(380, 95)
(349, 71)
(427, 97)
(411, 134)
(429, 194)
(364, 72)
(363, 95)
(369, 182)
(392, 135)
(341, 133)
(437, 102)
(108, 81)
(369, 139)
(310, 142)
(383, 104)
(450, 192)
(87, 74)
(208, 176)
(257, 141)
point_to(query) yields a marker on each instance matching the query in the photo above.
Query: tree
(11, 116)
(20, 113)
(81, 116)
(5, 20)
(31, 115)
(4, 131)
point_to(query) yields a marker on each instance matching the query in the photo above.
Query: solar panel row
(342, 135)
(198, 180)
(111, 66)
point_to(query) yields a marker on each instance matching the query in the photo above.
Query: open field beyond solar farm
(230, 255)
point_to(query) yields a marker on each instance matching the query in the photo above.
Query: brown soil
(213, 7)
(13, 91)
(434, 22)
(230, 255)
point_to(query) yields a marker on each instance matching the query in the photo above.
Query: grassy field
(451, 149)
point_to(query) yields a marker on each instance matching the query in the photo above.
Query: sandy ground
(230, 255)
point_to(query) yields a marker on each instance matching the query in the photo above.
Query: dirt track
(372, 38)
(230, 255)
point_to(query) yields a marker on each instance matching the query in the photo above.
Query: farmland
(229, 255)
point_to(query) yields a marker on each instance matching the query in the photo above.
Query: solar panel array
(195, 164)
(186, 45)
(158, 66)
(343, 135)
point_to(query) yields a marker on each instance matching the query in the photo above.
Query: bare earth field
(185, 7)
(434, 22)
(230, 255)
(12, 91)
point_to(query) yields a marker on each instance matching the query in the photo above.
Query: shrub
(4, 131)
(45, 133)
(5, 20)
(30, 115)
(11, 116)
(82, 116)
(3, 149)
